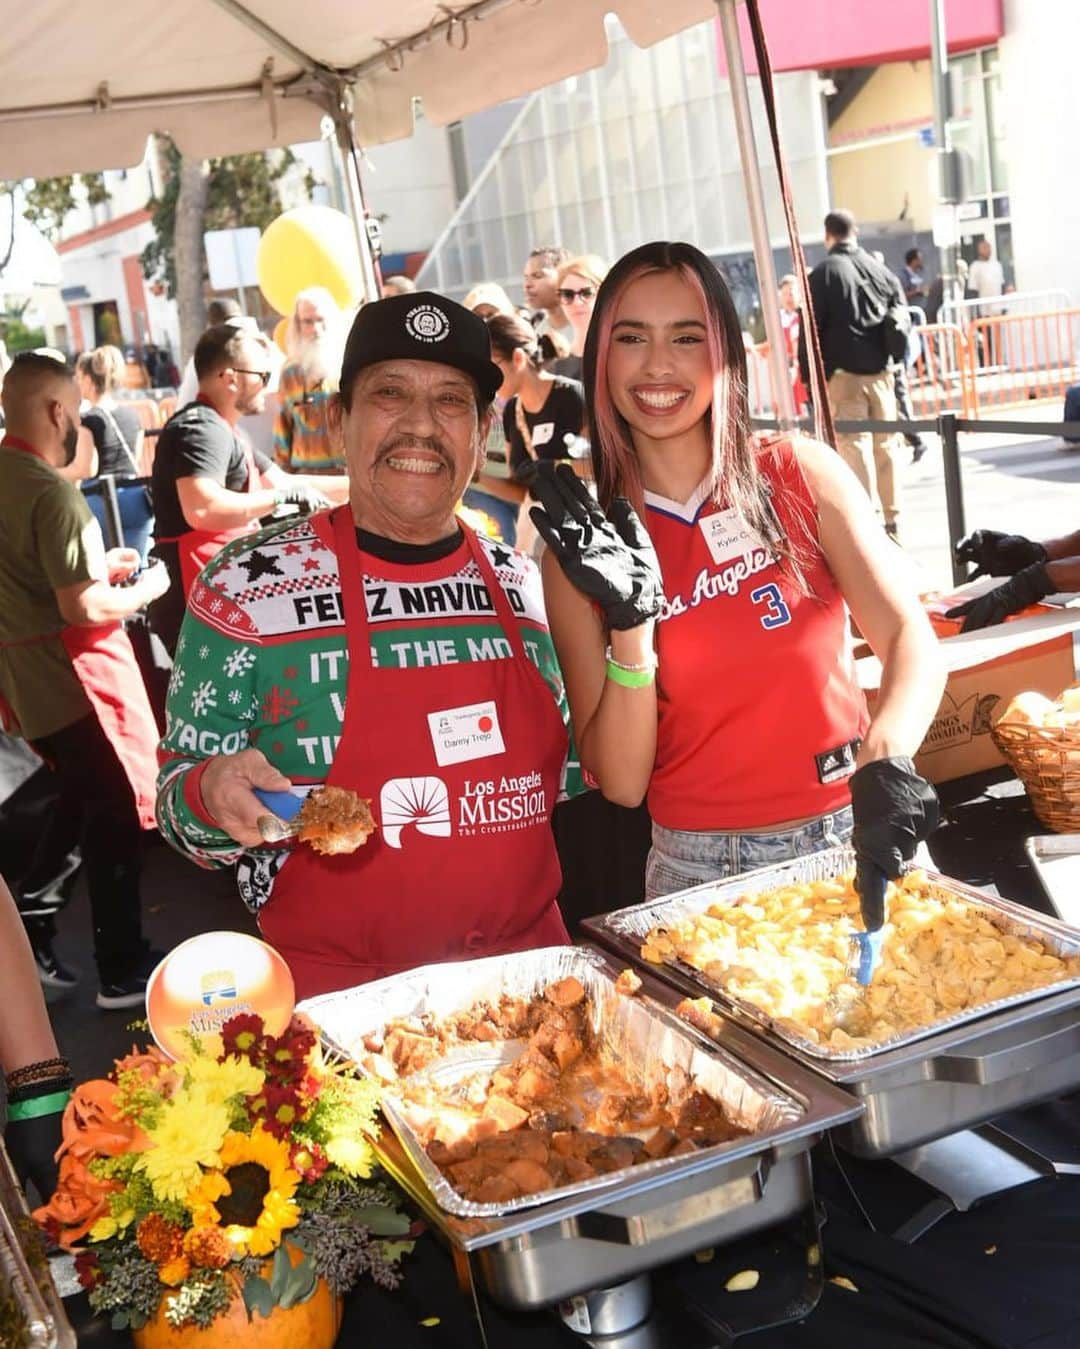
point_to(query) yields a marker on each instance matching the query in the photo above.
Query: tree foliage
(242, 192)
(49, 201)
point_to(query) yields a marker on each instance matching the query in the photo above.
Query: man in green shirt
(68, 679)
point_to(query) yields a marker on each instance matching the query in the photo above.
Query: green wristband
(630, 679)
(39, 1105)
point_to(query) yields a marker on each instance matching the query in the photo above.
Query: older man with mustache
(385, 648)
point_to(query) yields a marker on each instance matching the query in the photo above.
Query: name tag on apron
(543, 433)
(727, 535)
(462, 733)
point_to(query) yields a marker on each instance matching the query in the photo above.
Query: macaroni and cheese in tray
(774, 945)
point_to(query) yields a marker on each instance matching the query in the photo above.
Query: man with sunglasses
(209, 484)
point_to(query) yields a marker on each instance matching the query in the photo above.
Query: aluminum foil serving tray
(632, 926)
(960, 1071)
(545, 1247)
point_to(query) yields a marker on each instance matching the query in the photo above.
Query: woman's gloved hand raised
(996, 554)
(894, 810)
(609, 558)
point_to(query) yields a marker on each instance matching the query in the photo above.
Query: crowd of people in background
(200, 481)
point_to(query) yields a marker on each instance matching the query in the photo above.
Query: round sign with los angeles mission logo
(425, 323)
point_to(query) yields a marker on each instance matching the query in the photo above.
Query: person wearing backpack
(863, 324)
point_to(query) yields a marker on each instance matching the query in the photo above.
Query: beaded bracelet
(31, 1072)
(650, 664)
(57, 1082)
(630, 679)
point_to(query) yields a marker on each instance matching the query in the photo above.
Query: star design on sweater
(501, 557)
(258, 564)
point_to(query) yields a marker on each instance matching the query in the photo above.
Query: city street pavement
(1028, 486)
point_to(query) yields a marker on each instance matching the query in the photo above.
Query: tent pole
(341, 111)
(759, 225)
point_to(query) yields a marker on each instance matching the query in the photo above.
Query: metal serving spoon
(279, 826)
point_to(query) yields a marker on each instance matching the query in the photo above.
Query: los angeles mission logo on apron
(496, 803)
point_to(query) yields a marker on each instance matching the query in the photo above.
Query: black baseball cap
(421, 326)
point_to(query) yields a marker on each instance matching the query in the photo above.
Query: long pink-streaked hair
(734, 476)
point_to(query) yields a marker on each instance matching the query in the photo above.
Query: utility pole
(947, 224)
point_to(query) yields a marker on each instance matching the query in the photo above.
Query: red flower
(282, 1109)
(310, 1160)
(287, 1054)
(87, 1269)
(243, 1035)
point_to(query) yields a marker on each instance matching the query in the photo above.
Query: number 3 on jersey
(776, 614)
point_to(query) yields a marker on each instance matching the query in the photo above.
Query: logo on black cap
(427, 324)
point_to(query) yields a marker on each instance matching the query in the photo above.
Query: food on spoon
(334, 820)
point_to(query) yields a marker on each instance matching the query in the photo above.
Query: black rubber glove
(609, 558)
(996, 554)
(894, 809)
(1026, 587)
(300, 494)
(31, 1145)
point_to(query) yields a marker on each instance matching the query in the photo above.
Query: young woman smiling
(706, 654)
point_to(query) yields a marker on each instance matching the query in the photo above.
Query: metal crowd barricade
(941, 375)
(1019, 358)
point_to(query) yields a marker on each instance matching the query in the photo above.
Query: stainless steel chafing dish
(26, 1287)
(959, 1072)
(605, 1231)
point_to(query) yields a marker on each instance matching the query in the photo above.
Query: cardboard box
(985, 670)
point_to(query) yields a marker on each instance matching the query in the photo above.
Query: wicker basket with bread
(1040, 738)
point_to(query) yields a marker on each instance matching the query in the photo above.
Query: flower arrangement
(242, 1167)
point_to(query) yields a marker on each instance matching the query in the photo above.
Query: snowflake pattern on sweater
(263, 661)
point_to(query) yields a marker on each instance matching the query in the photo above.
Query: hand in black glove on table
(894, 809)
(996, 554)
(609, 558)
(1026, 587)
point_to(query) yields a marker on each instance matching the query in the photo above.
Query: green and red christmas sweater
(263, 661)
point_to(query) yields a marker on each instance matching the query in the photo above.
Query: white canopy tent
(81, 87)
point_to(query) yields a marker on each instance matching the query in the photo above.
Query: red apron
(463, 863)
(196, 547)
(104, 663)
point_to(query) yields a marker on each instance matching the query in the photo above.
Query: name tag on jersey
(462, 733)
(542, 434)
(727, 535)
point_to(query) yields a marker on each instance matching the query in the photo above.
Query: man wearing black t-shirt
(209, 485)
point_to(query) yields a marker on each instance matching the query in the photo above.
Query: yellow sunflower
(251, 1197)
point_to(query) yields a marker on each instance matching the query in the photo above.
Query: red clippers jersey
(758, 701)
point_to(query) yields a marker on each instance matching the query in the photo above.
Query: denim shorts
(681, 858)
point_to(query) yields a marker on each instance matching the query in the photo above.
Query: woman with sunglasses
(700, 610)
(578, 281)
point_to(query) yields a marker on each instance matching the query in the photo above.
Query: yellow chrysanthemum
(186, 1138)
(278, 1209)
(218, 1081)
(351, 1153)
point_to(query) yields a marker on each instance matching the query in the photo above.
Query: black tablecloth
(1002, 1276)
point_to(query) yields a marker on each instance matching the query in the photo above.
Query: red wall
(817, 34)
